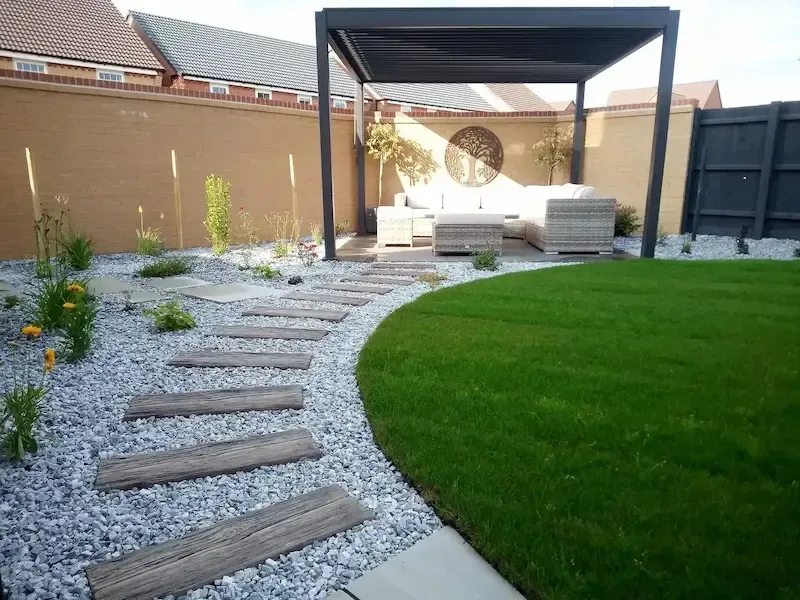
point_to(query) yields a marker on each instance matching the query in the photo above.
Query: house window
(31, 67)
(110, 76)
(265, 94)
(340, 104)
(219, 88)
(304, 99)
(405, 108)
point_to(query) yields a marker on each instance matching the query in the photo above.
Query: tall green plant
(383, 143)
(553, 150)
(218, 216)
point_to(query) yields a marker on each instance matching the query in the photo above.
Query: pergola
(490, 45)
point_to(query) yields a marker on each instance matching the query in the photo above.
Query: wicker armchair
(572, 225)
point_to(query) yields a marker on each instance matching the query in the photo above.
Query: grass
(168, 267)
(616, 430)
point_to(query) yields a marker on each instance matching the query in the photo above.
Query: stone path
(397, 273)
(384, 280)
(299, 313)
(395, 265)
(210, 358)
(349, 287)
(333, 298)
(268, 333)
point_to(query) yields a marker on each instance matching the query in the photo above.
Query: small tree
(383, 143)
(218, 217)
(553, 150)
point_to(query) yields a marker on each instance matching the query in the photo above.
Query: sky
(752, 47)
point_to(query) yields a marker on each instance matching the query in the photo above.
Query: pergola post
(669, 42)
(579, 136)
(360, 165)
(324, 85)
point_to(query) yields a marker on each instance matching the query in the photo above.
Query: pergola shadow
(490, 45)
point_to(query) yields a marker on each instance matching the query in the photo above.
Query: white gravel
(53, 523)
(712, 247)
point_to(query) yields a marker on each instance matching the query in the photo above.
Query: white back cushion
(462, 200)
(424, 197)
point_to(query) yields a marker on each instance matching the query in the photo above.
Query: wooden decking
(383, 280)
(298, 313)
(268, 333)
(209, 358)
(334, 298)
(351, 287)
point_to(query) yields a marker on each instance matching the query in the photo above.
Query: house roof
(562, 105)
(699, 90)
(518, 96)
(199, 50)
(86, 30)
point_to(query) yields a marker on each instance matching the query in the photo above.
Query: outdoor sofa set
(554, 218)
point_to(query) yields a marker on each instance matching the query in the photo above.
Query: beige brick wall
(109, 151)
(6, 63)
(142, 79)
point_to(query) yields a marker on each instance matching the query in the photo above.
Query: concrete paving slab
(175, 283)
(145, 296)
(5, 287)
(440, 567)
(230, 292)
(109, 285)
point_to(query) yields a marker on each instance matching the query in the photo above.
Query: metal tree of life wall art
(474, 156)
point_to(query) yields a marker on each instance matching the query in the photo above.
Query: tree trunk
(550, 176)
(472, 177)
(380, 183)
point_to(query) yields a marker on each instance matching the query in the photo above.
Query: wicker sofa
(555, 218)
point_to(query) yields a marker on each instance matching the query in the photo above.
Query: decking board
(205, 460)
(334, 298)
(388, 265)
(209, 402)
(210, 358)
(382, 280)
(201, 557)
(268, 333)
(351, 287)
(299, 313)
(397, 273)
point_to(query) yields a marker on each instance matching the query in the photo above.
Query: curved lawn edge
(412, 368)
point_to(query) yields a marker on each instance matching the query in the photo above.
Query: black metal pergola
(490, 45)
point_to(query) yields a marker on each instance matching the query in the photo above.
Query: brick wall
(85, 72)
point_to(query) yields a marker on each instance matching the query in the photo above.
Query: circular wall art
(474, 156)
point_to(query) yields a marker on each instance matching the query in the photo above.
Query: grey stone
(109, 285)
(230, 292)
(145, 296)
(175, 283)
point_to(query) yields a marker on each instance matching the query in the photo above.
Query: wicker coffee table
(467, 232)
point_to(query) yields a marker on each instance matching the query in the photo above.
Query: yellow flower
(31, 331)
(49, 359)
(68, 305)
(74, 287)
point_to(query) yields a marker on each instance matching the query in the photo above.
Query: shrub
(43, 269)
(77, 250)
(285, 231)
(281, 249)
(316, 234)
(307, 253)
(661, 237)
(267, 271)
(168, 267)
(218, 216)
(485, 260)
(742, 247)
(170, 317)
(432, 279)
(295, 280)
(687, 247)
(625, 220)
(246, 235)
(148, 241)
(78, 326)
(22, 404)
(48, 310)
(343, 226)
(797, 252)
(11, 301)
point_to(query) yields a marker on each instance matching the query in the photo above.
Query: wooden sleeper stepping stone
(268, 333)
(350, 287)
(205, 460)
(197, 559)
(211, 402)
(383, 265)
(299, 313)
(384, 280)
(336, 299)
(385, 272)
(210, 358)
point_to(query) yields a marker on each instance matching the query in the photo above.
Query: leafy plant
(285, 232)
(343, 227)
(797, 252)
(11, 301)
(218, 215)
(625, 220)
(170, 317)
(48, 310)
(316, 234)
(168, 267)
(43, 268)
(22, 404)
(383, 143)
(281, 249)
(661, 237)
(78, 326)
(267, 271)
(246, 234)
(432, 279)
(77, 250)
(49, 229)
(485, 260)
(553, 150)
(148, 241)
(307, 253)
(295, 280)
(742, 247)
(687, 247)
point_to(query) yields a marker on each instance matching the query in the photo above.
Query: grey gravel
(713, 247)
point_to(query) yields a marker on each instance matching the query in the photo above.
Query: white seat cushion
(424, 197)
(476, 218)
(423, 213)
(465, 200)
(394, 212)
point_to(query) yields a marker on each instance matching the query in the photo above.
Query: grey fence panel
(745, 171)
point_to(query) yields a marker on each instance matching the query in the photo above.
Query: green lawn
(617, 430)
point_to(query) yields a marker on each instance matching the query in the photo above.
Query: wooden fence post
(766, 169)
(295, 223)
(176, 190)
(700, 181)
(37, 207)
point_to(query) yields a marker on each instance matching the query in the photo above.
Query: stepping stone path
(383, 280)
(335, 299)
(108, 285)
(176, 283)
(210, 358)
(397, 273)
(349, 287)
(140, 296)
(6, 289)
(229, 292)
(210, 402)
(268, 333)
(205, 460)
(383, 265)
(199, 558)
(299, 313)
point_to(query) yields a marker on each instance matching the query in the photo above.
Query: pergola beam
(361, 204)
(324, 89)
(579, 136)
